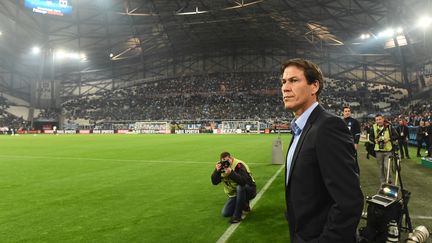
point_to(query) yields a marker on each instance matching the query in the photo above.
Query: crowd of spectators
(253, 96)
(7, 120)
(222, 96)
(48, 114)
(414, 114)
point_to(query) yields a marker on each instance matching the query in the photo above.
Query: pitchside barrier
(412, 136)
(427, 162)
(152, 127)
(235, 127)
(181, 127)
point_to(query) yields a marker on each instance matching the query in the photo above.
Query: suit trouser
(430, 147)
(420, 145)
(403, 145)
(382, 160)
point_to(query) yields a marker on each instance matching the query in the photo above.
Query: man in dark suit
(402, 132)
(421, 137)
(322, 189)
(353, 126)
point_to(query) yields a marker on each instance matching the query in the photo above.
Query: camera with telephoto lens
(224, 164)
(381, 143)
(419, 235)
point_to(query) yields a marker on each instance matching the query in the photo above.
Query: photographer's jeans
(235, 205)
(382, 160)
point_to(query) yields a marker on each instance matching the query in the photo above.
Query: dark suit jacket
(323, 196)
(402, 129)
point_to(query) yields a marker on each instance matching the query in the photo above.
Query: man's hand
(228, 170)
(218, 166)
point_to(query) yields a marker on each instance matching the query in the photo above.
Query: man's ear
(315, 87)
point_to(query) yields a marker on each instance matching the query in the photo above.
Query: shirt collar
(302, 119)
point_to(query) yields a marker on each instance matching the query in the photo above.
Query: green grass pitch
(150, 188)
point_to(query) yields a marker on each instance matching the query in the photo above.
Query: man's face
(297, 94)
(379, 120)
(401, 122)
(346, 112)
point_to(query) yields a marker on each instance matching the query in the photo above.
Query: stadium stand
(223, 96)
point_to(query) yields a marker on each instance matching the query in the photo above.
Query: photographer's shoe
(247, 208)
(235, 220)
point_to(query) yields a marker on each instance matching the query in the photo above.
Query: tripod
(394, 160)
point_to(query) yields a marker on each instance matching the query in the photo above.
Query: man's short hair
(377, 115)
(224, 154)
(311, 71)
(346, 107)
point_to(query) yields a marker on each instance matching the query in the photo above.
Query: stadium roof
(120, 32)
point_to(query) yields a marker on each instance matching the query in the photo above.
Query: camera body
(381, 143)
(224, 164)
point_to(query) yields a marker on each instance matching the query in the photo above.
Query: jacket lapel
(313, 116)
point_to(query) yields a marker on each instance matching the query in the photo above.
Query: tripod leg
(389, 163)
(405, 197)
(397, 165)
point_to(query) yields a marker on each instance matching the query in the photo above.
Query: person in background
(421, 137)
(382, 136)
(428, 139)
(402, 132)
(353, 126)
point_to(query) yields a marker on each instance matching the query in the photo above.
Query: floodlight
(399, 30)
(424, 22)
(83, 57)
(111, 55)
(387, 33)
(365, 36)
(36, 50)
(73, 55)
(60, 54)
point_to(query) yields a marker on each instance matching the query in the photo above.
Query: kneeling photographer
(238, 183)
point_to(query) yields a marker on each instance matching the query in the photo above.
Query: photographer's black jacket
(393, 134)
(239, 175)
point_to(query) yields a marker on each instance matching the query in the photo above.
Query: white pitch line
(230, 230)
(421, 217)
(106, 159)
